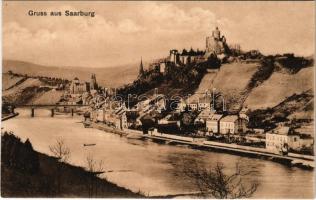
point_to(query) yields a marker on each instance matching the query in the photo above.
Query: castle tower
(216, 44)
(173, 56)
(216, 33)
(141, 68)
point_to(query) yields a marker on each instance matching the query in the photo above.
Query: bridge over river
(51, 107)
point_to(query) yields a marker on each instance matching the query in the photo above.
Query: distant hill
(108, 77)
(250, 84)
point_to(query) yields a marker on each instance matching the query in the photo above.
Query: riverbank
(74, 181)
(240, 150)
(6, 117)
(301, 161)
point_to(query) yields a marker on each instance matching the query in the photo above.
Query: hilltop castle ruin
(215, 45)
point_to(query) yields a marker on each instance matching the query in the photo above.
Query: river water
(145, 166)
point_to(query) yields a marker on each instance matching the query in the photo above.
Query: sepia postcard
(158, 99)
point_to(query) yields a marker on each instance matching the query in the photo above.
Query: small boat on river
(85, 145)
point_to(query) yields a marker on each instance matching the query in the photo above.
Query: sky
(123, 32)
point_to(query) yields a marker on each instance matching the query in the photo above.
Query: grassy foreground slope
(18, 184)
(27, 173)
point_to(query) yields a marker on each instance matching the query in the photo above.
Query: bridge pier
(32, 112)
(52, 112)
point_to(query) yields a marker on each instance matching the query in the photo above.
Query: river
(147, 166)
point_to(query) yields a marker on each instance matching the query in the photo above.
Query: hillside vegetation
(285, 112)
(278, 87)
(232, 81)
(10, 81)
(25, 90)
(179, 80)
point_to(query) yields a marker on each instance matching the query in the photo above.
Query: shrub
(18, 155)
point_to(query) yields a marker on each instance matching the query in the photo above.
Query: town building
(283, 139)
(193, 105)
(204, 116)
(191, 56)
(78, 88)
(213, 123)
(205, 102)
(186, 57)
(229, 124)
(116, 118)
(192, 102)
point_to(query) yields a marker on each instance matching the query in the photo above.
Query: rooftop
(284, 130)
(206, 99)
(216, 117)
(206, 112)
(229, 118)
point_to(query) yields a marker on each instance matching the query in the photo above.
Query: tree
(18, 155)
(187, 119)
(62, 153)
(95, 169)
(29, 158)
(215, 183)
(60, 150)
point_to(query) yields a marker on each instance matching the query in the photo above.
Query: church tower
(93, 82)
(141, 68)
